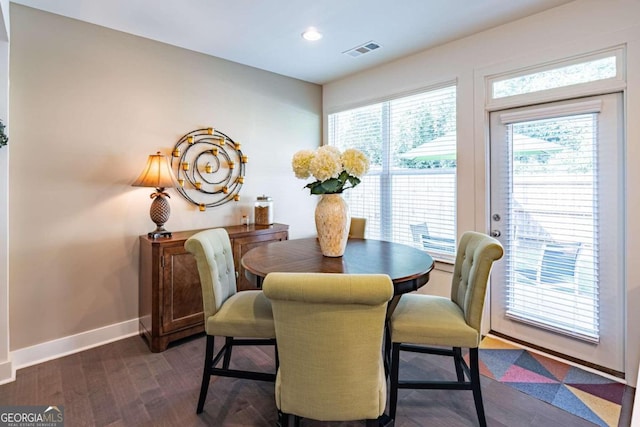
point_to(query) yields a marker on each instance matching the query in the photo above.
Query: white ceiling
(266, 34)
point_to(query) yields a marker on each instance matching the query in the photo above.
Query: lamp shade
(157, 173)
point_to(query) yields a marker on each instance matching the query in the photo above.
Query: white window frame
(617, 83)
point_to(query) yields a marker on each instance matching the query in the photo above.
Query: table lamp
(157, 173)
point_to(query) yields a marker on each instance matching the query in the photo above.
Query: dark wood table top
(407, 266)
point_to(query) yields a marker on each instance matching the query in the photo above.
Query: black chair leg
(395, 368)
(227, 353)
(383, 420)
(283, 419)
(457, 360)
(473, 371)
(386, 359)
(206, 373)
(475, 385)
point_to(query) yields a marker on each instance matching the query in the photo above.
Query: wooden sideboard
(170, 296)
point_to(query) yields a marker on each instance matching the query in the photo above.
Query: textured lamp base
(159, 213)
(159, 232)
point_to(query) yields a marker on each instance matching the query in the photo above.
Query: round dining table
(408, 267)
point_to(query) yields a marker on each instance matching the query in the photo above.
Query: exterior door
(556, 203)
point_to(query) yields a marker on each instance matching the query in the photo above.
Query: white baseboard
(635, 415)
(61, 347)
(7, 374)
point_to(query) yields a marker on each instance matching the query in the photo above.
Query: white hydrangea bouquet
(331, 169)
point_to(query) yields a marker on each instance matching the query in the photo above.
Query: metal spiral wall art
(209, 167)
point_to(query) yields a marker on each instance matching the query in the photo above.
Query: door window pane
(553, 215)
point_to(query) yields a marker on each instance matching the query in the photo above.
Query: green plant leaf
(317, 190)
(332, 185)
(354, 180)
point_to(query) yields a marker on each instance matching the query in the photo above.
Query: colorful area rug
(582, 393)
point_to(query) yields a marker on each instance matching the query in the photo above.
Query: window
(409, 194)
(583, 75)
(584, 72)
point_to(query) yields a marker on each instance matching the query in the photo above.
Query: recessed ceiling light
(311, 34)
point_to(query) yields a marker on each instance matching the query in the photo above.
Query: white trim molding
(65, 346)
(7, 373)
(585, 107)
(635, 417)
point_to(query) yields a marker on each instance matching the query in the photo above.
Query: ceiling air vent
(362, 49)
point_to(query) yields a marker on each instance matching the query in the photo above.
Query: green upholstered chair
(357, 228)
(429, 324)
(243, 318)
(330, 329)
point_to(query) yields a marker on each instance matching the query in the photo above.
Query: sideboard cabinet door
(181, 291)
(170, 296)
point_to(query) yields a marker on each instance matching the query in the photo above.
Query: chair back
(357, 228)
(214, 257)
(419, 232)
(474, 259)
(559, 262)
(329, 329)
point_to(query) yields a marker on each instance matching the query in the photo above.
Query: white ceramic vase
(332, 224)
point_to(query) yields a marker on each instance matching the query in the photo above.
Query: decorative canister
(263, 210)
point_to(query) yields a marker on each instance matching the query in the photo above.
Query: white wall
(88, 105)
(578, 27)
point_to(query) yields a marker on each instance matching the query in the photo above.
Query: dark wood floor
(124, 384)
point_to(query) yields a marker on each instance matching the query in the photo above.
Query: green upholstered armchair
(357, 228)
(243, 318)
(330, 329)
(422, 321)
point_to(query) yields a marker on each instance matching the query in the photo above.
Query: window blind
(409, 194)
(552, 245)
